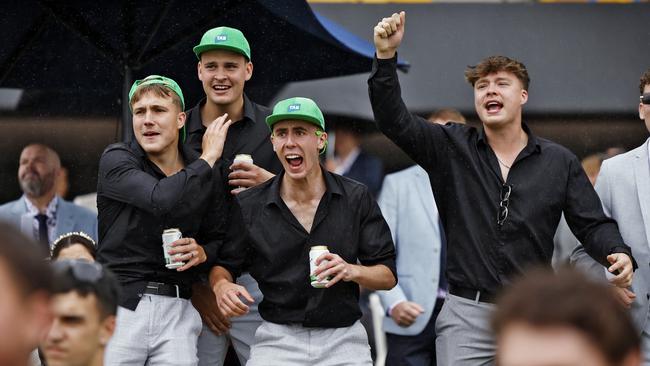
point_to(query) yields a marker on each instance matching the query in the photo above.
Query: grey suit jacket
(407, 203)
(69, 217)
(624, 189)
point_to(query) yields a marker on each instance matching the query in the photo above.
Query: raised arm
(413, 134)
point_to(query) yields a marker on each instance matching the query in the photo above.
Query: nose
(290, 140)
(491, 88)
(56, 333)
(219, 74)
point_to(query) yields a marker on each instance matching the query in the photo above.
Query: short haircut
(24, 260)
(105, 288)
(71, 239)
(447, 114)
(645, 80)
(495, 64)
(158, 90)
(569, 299)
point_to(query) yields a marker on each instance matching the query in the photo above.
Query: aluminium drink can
(169, 236)
(247, 158)
(314, 253)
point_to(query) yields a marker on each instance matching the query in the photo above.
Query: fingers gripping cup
(169, 236)
(314, 253)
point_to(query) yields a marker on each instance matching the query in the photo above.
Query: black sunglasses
(80, 269)
(506, 189)
(645, 98)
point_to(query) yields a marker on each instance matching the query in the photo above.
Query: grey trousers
(161, 331)
(295, 345)
(212, 348)
(464, 334)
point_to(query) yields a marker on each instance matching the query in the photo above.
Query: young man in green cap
(144, 187)
(307, 321)
(224, 66)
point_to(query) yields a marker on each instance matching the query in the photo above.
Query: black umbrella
(83, 56)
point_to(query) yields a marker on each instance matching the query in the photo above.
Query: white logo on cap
(221, 38)
(293, 107)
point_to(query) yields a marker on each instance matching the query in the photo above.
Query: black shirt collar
(331, 187)
(195, 124)
(532, 145)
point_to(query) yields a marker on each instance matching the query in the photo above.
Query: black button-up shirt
(137, 201)
(250, 135)
(347, 221)
(546, 180)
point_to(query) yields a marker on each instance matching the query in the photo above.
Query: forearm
(219, 275)
(377, 277)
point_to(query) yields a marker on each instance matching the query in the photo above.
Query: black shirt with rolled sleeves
(137, 201)
(546, 180)
(250, 135)
(347, 220)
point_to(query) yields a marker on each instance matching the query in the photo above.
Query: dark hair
(69, 239)
(24, 260)
(87, 278)
(494, 64)
(569, 299)
(645, 80)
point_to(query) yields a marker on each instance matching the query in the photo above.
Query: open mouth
(150, 134)
(294, 160)
(493, 106)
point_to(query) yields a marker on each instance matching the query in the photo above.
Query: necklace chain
(502, 163)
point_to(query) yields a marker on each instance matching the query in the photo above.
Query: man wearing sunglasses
(500, 191)
(624, 189)
(146, 186)
(84, 305)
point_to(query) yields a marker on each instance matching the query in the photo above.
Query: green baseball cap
(157, 79)
(299, 108)
(224, 38)
(169, 83)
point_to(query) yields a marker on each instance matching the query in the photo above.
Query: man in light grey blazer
(408, 205)
(40, 213)
(624, 189)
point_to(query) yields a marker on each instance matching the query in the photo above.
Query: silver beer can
(247, 158)
(314, 253)
(169, 236)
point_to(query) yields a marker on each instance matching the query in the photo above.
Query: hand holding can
(314, 253)
(169, 236)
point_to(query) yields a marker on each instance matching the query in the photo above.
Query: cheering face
(223, 75)
(498, 99)
(156, 123)
(78, 333)
(644, 109)
(37, 171)
(297, 144)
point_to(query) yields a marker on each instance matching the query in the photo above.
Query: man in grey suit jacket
(407, 203)
(624, 189)
(40, 213)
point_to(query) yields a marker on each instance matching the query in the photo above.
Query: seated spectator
(84, 305)
(564, 319)
(25, 281)
(75, 245)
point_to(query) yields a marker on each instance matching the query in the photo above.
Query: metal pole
(127, 125)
